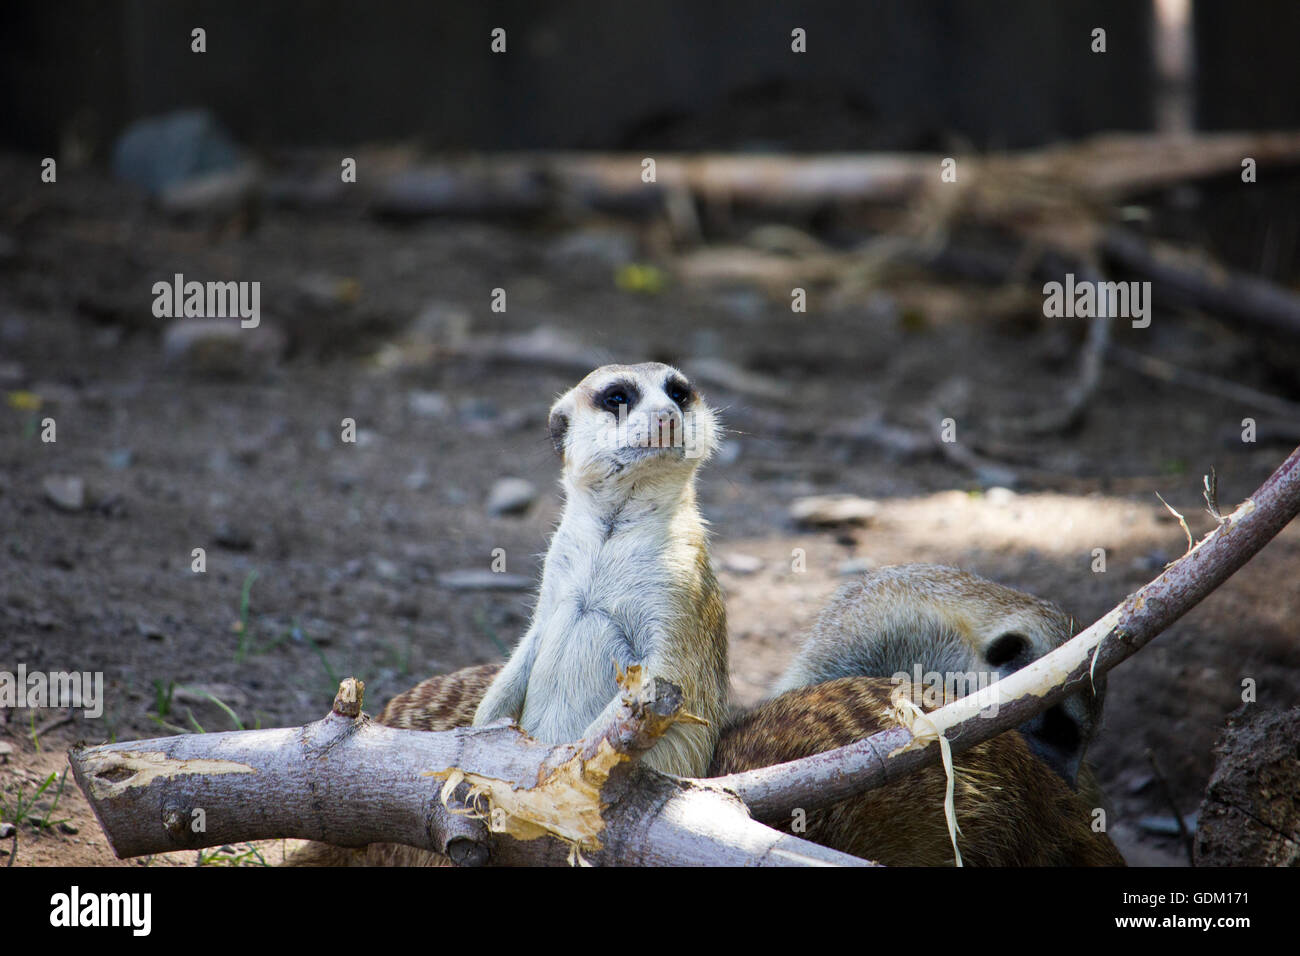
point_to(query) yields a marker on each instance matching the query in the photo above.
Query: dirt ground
(344, 544)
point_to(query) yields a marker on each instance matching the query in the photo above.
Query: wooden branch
(192, 791)
(349, 781)
(1102, 168)
(823, 779)
(1195, 280)
(1248, 398)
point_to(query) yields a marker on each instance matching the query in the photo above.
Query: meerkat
(917, 619)
(627, 577)
(1013, 810)
(626, 580)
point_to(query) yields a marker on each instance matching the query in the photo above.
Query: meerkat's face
(1004, 636)
(629, 420)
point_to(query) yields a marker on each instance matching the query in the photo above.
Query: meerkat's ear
(559, 426)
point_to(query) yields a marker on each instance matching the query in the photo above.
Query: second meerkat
(627, 578)
(916, 619)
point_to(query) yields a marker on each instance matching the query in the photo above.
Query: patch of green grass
(229, 856)
(162, 698)
(194, 726)
(22, 809)
(245, 631)
(296, 632)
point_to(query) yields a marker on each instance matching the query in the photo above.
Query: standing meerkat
(627, 578)
(919, 619)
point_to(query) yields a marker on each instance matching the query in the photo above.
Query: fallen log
(1194, 280)
(1101, 169)
(350, 782)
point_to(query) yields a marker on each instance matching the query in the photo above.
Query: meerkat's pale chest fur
(627, 578)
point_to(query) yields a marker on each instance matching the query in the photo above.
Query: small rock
(149, 631)
(388, 570)
(999, 496)
(11, 374)
(222, 347)
(5, 749)
(831, 510)
(119, 459)
(855, 566)
(232, 537)
(65, 492)
(510, 496)
(474, 580)
(6, 831)
(161, 151)
(321, 291)
(1166, 825)
(432, 404)
(69, 827)
(748, 304)
(991, 475)
(738, 563)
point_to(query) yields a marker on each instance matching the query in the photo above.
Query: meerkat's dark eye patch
(679, 390)
(1006, 648)
(617, 394)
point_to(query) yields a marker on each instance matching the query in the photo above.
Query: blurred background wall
(903, 74)
(674, 74)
